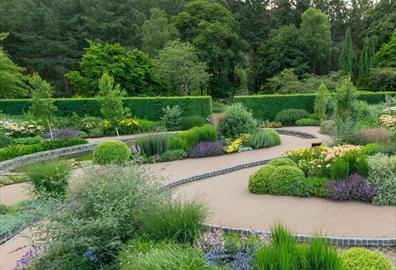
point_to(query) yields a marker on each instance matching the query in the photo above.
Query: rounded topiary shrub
(285, 180)
(282, 162)
(236, 121)
(258, 181)
(111, 152)
(364, 259)
(289, 117)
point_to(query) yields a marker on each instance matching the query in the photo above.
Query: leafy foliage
(172, 117)
(237, 120)
(364, 259)
(111, 152)
(289, 117)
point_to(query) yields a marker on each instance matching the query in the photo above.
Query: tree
(211, 28)
(132, 69)
(157, 31)
(285, 82)
(12, 80)
(346, 104)
(386, 56)
(321, 102)
(315, 31)
(283, 49)
(365, 60)
(42, 103)
(179, 66)
(110, 101)
(345, 63)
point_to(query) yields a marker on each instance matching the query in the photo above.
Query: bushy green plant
(320, 255)
(289, 117)
(262, 138)
(236, 121)
(5, 140)
(186, 140)
(307, 122)
(357, 162)
(180, 222)
(284, 179)
(259, 181)
(14, 151)
(163, 256)
(282, 162)
(109, 152)
(321, 101)
(27, 140)
(327, 127)
(282, 253)
(382, 175)
(88, 123)
(102, 213)
(192, 121)
(339, 170)
(49, 179)
(310, 186)
(364, 259)
(172, 117)
(151, 145)
(173, 155)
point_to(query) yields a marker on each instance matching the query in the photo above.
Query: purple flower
(354, 187)
(23, 262)
(211, 239)
(91, 255)
(242, 261)
(207, 149)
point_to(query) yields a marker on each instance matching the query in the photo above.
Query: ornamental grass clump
(151, 145)
(262, 138)
(101, 214)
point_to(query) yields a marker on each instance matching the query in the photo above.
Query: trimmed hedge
(266, 107)
(141, 107)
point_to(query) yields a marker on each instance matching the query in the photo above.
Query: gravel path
(231, 204)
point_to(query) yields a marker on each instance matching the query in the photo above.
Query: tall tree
(365, 60)
(42, 103)
(12, 80)
(345, 62)
(283, 49)
(132, 69)
(157, 31)
(315, 30)
(386, 56)
(179, 66)
(211, 28)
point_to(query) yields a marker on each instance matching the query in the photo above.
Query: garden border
(334, 240)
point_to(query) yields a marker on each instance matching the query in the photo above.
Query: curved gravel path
(231, 204)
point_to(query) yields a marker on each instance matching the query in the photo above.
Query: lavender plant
(207, 149)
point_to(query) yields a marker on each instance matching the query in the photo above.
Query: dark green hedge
(141, 107)
(267, 106)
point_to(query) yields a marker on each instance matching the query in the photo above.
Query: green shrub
(172, 117)
(21, 150)
(163, 256)
(236, 121)
(267, 106)
(310, 186)
(174, 222)
(357, 162)
(186, 140)
(364, 259)
(382, 175)
(102, 213)
(339, 170)
(109, 152)
(49, 179)
(192, 121)
(370, 149)
(262, 138)
(307, 122)
(27, 140)
(173, 155)
(284, 179)
(259, 181)
(282, 162)
(151, 145)
(320, 255)
(5, 140)
(289, 117)
(88, 123)
(141, 107)
(327, 127)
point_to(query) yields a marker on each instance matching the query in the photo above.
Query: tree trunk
(50, 129)
(118, 134)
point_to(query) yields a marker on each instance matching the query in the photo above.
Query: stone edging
(11, 164)
(342, 241)
(295, 133)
